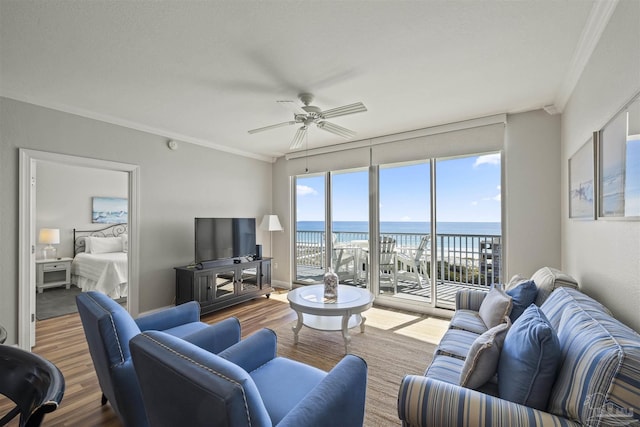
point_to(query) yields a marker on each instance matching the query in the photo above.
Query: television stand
(219, 285)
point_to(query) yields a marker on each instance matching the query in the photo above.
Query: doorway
(27, 229)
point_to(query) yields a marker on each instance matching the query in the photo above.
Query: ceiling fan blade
(335, 129)
(272, 127)
(358, 107)
(296, 142)
(292, 106)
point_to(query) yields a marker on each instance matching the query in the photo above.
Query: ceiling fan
(310, 114)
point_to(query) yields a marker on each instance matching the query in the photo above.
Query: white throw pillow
(495, 306)
(102, 245)
(481, 363)
(125, 242)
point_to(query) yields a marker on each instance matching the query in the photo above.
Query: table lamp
(271, 223)
(49, 236)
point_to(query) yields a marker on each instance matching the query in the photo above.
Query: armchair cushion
(281, 393)
(215, 338)
(529, 360)
(481, 363)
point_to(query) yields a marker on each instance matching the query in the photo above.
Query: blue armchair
(108, 328)
(244, 385)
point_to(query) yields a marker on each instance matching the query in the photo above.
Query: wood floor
(62, 341)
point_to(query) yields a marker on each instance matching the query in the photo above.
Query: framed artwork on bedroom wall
(619, 165)
(109, 210)
(582, 188)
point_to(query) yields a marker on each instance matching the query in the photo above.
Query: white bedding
(106, 273)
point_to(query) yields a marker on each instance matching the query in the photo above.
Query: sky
(468, 190)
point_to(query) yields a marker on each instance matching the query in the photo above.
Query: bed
(100, 261)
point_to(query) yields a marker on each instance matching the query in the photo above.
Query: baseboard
(281, 285)
(156, 309)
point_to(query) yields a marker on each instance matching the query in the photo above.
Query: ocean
(466, 228)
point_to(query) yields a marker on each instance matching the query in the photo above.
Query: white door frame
(26, 237)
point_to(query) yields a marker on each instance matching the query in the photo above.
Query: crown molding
(134, 125)
(596, 23)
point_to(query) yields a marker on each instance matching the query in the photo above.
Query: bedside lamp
(49, 236)
(271, 223)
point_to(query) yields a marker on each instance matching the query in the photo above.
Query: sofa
(591, 376)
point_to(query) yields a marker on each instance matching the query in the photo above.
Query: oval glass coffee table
(330, 315)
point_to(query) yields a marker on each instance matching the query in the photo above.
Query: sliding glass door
(413, 233)
(350, 226)
(404, 231)
(310, 213)
(468, 226)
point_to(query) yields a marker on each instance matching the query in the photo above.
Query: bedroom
(64, 201)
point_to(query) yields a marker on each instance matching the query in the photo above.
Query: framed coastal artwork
(109, 210)
(582, 181)
(619, 165)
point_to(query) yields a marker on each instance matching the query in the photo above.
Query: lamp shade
(271, 223)
(49, 236)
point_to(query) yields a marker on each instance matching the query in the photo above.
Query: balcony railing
(461, 258)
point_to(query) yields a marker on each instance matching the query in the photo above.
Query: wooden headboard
(114, 230)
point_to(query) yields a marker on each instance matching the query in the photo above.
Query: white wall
(64, 199)
(532, 193)
(604, 255)
(175, 187)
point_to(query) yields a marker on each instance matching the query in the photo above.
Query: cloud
(474, 203)
(305, 190)
(489, 159)
(499, 196)
(405, 218)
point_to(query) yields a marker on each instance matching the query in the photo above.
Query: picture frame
(110, 210)
(619, 165)
(582, 181)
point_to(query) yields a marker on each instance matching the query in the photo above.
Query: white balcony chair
(343, 261)
(415, 267)
(388, 262)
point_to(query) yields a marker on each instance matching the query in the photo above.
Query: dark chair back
(32, 382)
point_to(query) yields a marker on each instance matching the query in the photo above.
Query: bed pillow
(103, 245)
(125, 242)
(481, 363)
(87, 244)
(529, 360)
(523, 296)
(495, 306)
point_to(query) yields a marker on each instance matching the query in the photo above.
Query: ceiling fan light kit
(308, 114)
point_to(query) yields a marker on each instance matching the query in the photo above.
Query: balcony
(462, 261)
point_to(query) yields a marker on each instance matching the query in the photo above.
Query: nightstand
(51, 273)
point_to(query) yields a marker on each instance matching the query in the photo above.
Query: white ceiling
(207, 71)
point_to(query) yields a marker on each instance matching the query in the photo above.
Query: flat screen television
(219, 238)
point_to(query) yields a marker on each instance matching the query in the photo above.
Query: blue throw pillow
(523, 296)
(529, 360)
